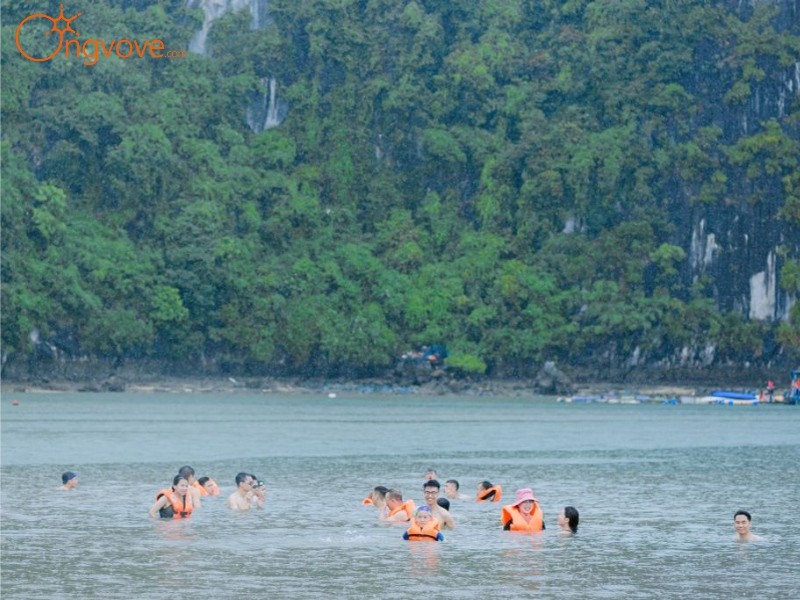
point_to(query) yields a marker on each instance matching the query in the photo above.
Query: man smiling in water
(430, 489)
(741, 522)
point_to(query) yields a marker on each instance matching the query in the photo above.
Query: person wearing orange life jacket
(525, 515)
(424, 528)
(209, 486)
(376, 498)
(173, 503)
(199, 487)
(488, 492)
(396, 510)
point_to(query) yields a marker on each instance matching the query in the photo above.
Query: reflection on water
(423, 559)
(656, 488)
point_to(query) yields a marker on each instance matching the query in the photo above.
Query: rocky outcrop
(551, 380)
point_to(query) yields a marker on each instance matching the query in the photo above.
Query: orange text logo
(90, 50)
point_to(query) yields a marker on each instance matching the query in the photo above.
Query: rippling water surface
(656, 487)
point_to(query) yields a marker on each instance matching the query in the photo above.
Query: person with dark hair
(69, 481)
(195, 488)
(430, 490)
(741, 522)
(377, 497)
(488, 492)
(451, 490)
(209, 485)
(430, 473)
(259, 492)
(175, 502)
(397, 510)
(246, 497)
(444, 503)
(568, 520)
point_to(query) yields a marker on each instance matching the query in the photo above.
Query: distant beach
(267, 385)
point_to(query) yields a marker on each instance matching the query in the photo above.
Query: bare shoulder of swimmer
(235, 501)
(195, 496)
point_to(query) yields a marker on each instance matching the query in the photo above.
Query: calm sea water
(656, 487)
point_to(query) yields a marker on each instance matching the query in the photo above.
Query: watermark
(90, 50)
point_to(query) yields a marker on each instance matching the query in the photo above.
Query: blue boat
(734, 395)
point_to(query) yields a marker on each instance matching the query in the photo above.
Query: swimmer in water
(424, 527)
(451, 490)
(397, 510)
(377, 497)
(249, 493)
(430, 490)
(209, 485)
(69, 481)
(195, 489)
(488, 492)
(174, 503)
(741, 522)
(525, 515)
(568, 520)
(430, 474)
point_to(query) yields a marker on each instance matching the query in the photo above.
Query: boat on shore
(729, 395)
(617, 399)
(719, 397)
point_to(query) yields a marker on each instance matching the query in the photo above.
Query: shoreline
(262, 385)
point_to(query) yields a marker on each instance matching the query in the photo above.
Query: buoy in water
(331, 395)
(15, 403)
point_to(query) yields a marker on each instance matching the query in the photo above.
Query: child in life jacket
(424, 528)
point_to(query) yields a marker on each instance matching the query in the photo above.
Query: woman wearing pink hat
(525, 515)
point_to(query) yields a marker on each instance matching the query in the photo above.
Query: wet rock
(551, 380)
(413, 371)
(113, 384)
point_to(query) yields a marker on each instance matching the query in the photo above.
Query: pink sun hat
(523, 495)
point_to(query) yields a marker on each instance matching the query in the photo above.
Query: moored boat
(729, 395)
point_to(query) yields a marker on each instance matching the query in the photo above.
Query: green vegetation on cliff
(509, 177)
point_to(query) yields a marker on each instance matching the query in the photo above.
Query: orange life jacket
(407, 506)
(181, 507)
(429, 533)
(203, 491)
(518, 522)
(367, 501)
(482, 495)
(216, 487)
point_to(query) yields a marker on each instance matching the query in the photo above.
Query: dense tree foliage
(501, 176)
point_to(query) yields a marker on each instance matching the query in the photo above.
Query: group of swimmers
(425, 523)
(184, 495)
(186, 492)
(524, 515)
